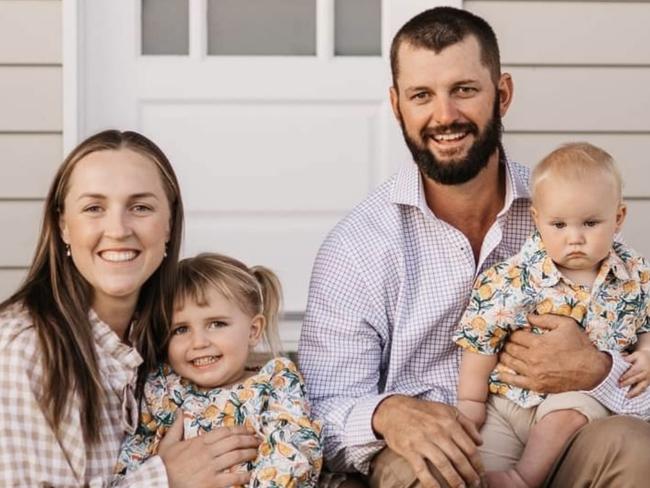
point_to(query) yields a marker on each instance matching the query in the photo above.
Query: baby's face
(210, 343)
(578, 219)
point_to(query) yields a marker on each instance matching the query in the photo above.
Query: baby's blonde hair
(255, 290)
(576, 161)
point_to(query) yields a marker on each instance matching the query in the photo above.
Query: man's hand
(638, 374)
(421, 431)
(203, 461)
(561, 359)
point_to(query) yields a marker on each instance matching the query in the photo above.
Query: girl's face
(116, 220)
(210, 343)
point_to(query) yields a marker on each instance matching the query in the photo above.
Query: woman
(91, 315)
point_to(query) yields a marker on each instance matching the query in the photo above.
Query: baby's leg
(545, 443)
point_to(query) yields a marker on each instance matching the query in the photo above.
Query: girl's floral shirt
(613, 312)
(273, 402)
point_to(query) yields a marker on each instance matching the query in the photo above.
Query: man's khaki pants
(608, 453)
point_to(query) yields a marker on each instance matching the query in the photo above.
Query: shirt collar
(111, 344)
(408, 188)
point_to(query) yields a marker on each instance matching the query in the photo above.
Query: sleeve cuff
(151, 474)
(602, 391)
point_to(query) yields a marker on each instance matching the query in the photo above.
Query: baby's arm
(637, 377)
(475, 370)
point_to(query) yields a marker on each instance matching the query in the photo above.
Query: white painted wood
(30, 98)
(635, 229)
(631, 152)
(11, 278)
(30, 32)
(579, 99)
(285, 243)
(307, 157)
(21, 222)
(572, 33)
(29, 162)
(73, 42)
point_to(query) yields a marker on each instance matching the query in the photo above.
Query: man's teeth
(449, 137)
(119, 256)
(204, 361)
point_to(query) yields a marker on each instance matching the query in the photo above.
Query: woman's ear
(258, 323)
(63, 229)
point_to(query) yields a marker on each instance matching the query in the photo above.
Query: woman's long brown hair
(58, 298)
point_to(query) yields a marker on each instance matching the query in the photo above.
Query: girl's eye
(179, 330)
(559, 225)
(216, 324)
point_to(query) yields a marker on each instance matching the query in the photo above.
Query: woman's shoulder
(17, 329)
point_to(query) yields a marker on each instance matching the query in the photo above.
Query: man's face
(449, 109)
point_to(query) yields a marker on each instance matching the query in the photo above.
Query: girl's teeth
(204, 361)
(119, 256)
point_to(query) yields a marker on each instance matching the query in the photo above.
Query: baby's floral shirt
(613, 312)
(273, 402)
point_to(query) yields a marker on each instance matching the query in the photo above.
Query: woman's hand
(202, 461)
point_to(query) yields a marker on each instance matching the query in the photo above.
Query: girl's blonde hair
(255, 290)
(576, 161)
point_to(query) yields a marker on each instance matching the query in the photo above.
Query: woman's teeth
(119, 256)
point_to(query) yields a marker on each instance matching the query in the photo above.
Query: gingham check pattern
(388, 288)
(31, 453)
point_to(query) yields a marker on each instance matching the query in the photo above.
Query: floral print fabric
(613, 312)
(273, 402)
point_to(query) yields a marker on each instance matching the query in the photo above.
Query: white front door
(274, 113)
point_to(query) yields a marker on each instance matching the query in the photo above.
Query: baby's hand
(637, 375)
(474, 410)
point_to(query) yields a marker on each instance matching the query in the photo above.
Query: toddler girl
(222, 310)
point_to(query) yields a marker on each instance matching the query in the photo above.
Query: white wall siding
(30, 32)
(31, 94)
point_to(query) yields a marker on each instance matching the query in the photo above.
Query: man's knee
(390, 470)
(605, 453)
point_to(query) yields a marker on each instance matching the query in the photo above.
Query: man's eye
(465, 90)
(179, 330)
(420, 96)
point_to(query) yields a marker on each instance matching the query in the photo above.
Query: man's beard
(457, 171)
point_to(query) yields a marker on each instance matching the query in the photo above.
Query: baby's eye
(179, 330)
(559, 225)
(591, 223)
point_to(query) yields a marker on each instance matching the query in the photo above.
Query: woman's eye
(92, 209)
(141, 208)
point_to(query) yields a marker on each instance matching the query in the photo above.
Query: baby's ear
(258, 323)
(621, 213)
(533, 214)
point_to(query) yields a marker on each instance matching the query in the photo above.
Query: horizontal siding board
(635, 229)
(24, 220)
(631, 152)
(29, 162)
(31, 99)
(569, 32)
(9, 281)
(30, 32)
(548, 99)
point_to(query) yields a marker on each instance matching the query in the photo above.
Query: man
(392, 279)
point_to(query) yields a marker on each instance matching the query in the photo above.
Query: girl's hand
(203, 461)
(637, 375)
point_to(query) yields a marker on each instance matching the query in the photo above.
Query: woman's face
(116, 220)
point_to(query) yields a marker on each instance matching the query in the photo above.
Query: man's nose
(445, 111)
